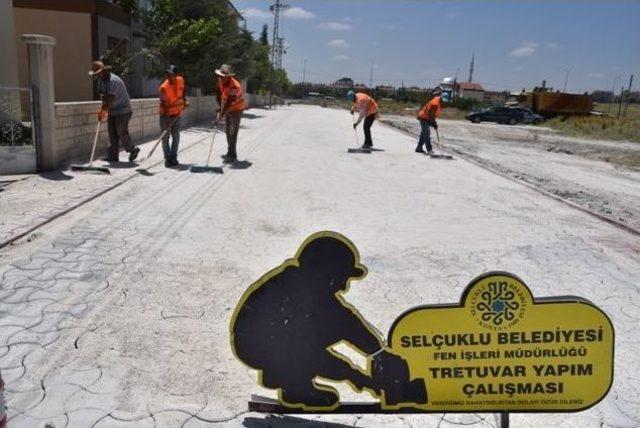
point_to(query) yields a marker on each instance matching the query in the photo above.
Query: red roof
(470, 86)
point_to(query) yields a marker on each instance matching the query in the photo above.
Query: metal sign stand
(502, 420)
(260, 404)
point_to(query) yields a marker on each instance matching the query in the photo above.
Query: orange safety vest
(424, 113)
(369, 104)
(232, 90)
(171, 97)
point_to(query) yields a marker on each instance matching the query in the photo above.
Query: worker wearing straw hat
(231, 102)
(116, 108)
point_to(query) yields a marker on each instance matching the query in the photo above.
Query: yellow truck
(550, 104)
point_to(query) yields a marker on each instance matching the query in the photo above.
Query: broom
(207, 168)
(90, 167)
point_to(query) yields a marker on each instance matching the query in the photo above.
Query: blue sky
(516, 43)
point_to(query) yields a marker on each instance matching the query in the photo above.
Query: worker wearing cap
(368, 110)
(172, 102)
(116, 108)
(231, 101)
(427, 118)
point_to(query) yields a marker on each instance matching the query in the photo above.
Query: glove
(355, 125)
(102, 115)
(434, 124)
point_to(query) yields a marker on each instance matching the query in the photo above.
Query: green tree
(197, 36)
(129, 6)
(264, 35)
(201, 35)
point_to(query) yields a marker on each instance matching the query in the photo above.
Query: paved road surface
(117, 313)
(571, 168)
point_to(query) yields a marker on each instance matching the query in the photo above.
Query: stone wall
(17, 160)
(76, 124)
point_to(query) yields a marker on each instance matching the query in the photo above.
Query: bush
(599, 127)
(468, 104)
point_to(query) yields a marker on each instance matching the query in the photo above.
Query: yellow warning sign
(502, 350)
(498, 350)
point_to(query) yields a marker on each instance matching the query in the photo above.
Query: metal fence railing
(17, 126)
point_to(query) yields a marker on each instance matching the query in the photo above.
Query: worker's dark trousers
(232, 126)
(425, 135)
(170, 151)
(368, 121)
(118, 127)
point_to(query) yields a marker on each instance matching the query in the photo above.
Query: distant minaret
(473, 57)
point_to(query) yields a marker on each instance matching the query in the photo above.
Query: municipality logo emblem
(498, 304)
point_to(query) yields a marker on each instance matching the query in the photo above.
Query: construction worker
(172, 102)
(427, 118)
(368, 110)
(116, 108)
(231, 101)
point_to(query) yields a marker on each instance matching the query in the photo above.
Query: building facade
(84, 30)
(473, 91)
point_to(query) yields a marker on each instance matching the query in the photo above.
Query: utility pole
(304, 72)
(613, 93)
(371, 75)
(279, 51)
(473, 60)
(275, 8)
(626, 104)
(566, 78)
(620, 101)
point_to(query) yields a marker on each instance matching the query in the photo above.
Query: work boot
(420, 150)
(174, 161)
(229, 159)
(133, 154)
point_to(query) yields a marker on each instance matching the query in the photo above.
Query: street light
(304, 72)
(566, 78)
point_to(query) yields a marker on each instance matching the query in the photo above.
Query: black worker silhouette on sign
(288, 321)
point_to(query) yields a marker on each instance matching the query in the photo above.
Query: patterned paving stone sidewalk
(37, 199)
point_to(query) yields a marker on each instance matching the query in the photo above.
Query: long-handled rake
(206, 167)
(90, 167)
(440, 155)
(357, 148)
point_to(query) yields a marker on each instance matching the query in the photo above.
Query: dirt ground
(602, 176)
